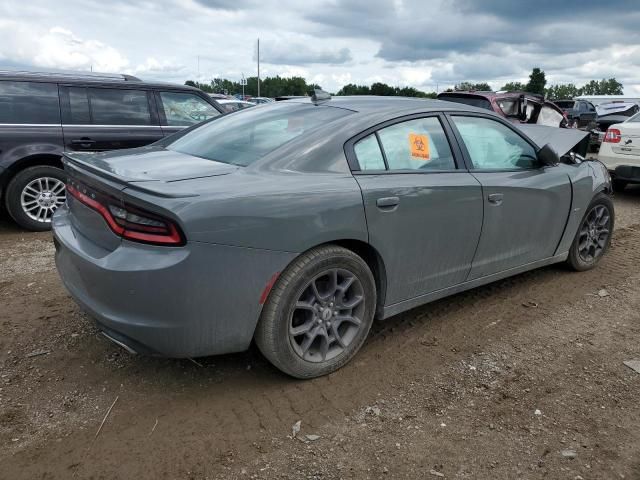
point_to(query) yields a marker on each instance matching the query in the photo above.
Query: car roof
(88, 78)
(372, 103)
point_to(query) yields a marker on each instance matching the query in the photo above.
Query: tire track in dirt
(225, 407)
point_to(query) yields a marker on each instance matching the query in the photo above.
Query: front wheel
(318, 313)
(594, 234)
(33, 196)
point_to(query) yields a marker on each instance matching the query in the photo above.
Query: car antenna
(319, 96)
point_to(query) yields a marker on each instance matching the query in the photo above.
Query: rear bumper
(200, 299)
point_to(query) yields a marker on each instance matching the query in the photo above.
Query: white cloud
(362, 41)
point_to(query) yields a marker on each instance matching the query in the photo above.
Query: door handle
(83, 142)
(387, 203)
(496, 198)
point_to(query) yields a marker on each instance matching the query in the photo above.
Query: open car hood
(562, 140)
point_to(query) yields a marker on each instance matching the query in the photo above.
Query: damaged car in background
(299, 224)
(518, 107)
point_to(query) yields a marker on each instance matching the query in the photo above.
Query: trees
(602, 87)
(559, 92)
(383, 89)
(514, 87)
(468, 86)
(592, 87)
(537, 82)
(269, 86)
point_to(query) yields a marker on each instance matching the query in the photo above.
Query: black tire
(13, 196)
(274, 335)
(618, 185)
(580, 261)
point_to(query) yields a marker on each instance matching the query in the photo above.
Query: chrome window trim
(79, 126)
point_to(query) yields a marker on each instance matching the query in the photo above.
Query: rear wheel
(34, 194)
(618, 185)
(318, 313)
(594, 234)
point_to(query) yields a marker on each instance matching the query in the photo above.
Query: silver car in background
(299, 222)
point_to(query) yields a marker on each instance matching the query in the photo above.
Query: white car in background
(620, 152)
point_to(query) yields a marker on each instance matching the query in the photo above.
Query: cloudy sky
(427, 44)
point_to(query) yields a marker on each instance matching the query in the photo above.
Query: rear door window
(419, 144)
(369, 154)
(185, 109)
(115, 106)
(29, 103)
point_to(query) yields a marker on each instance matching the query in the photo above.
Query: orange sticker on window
(419, 145)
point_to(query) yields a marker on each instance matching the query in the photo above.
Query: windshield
(468, 100)
(248, 135)
(564, 104)
(635, 118)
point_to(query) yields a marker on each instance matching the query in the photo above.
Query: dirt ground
(523, 378)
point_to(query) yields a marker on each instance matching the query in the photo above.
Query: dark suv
(580, 113)
(44, 114)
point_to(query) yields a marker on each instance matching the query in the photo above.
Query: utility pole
(258, 67)
(198, 67)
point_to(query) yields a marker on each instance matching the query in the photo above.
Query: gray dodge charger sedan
(297, 223)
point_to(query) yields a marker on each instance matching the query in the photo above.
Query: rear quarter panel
(289, 212)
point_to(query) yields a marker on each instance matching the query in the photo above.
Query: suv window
(419, 144)
(78, 107)
(184, 109)
(29, 102)
(119, 106)
(494, 146)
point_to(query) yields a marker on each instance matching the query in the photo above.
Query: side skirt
(396, 308)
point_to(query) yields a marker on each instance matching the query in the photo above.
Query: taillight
(613, 135)
(130, 222)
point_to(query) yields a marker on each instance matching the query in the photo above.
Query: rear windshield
(564, 104)
(243, 137)
(635, 118)
(468, 100)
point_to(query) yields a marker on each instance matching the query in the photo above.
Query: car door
(424, 215)
(180, 109)
(526, 205)
(107, 118)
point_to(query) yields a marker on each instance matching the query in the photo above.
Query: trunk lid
(149, 164)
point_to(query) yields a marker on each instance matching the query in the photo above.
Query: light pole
(258, 67)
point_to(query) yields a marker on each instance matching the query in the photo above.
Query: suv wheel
(34, 194)
(318, 313)
(618, 185)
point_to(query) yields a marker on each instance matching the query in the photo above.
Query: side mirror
(548, 156)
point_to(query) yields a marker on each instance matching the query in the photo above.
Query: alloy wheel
(41, 197)
(327, 315)
(594, 233)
